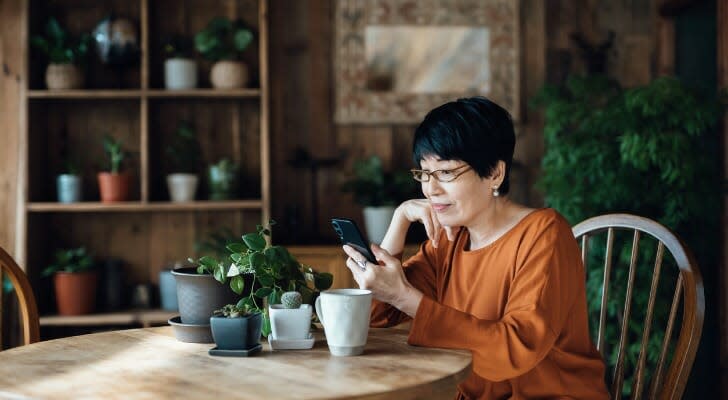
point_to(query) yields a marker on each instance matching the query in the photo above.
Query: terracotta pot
(229, 75)
(75, 292)
(114, 187)
(63, 76)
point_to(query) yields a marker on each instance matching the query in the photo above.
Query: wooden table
(150, 363)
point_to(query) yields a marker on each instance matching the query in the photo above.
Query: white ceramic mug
(344, 313)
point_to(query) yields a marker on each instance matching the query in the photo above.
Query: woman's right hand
(421, 210)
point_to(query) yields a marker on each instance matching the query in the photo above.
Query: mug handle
(319, 312)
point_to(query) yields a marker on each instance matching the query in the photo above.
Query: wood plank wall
(302, 98)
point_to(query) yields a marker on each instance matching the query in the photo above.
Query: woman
(500, 279)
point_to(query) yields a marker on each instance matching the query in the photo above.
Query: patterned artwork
(356, 103)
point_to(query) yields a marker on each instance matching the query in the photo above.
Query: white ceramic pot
(63, 76)
(182, 187)
(229, 75)
(290, 323)
(180, 73)
(69, 188)
(376, 222)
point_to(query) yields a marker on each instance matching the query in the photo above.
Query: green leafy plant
(116, 153)
(215, 243)
(649, 151)
(276, 272)
(234, 311)
(222, 179)
(59, 46)
(373, 186)
(223, 39)
(70, 260)
(183, 153)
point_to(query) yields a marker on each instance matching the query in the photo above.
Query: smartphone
(350, 234)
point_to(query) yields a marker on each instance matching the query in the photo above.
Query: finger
(383, 255)
(435, 227)
(353, 253)
(450, 233)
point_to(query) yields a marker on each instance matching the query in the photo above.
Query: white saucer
(291, 344)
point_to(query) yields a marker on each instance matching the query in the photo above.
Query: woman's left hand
(386, 280)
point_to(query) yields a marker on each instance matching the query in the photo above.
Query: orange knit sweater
(519, 304)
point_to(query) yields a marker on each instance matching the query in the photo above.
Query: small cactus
(291, 300)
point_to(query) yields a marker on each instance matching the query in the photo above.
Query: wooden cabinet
(131, 104)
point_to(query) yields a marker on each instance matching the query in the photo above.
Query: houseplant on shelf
(222, 41)
(379, 192)
(236, 327)
(68, 182)
(183, 159)
(180, 68)
(114, 184)
(65, 55)
(275, 270)
(222, 180)
(75, 281)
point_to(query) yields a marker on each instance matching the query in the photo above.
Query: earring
(496, 193)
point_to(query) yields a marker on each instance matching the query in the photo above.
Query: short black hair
(474, 130)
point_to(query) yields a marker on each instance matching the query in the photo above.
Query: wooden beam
(722, 55)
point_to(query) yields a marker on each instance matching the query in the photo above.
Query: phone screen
(350, 234)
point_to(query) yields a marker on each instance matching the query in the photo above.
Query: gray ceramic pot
(237, 333)
(199, 295)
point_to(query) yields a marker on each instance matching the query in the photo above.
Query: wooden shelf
(112, 94)
(141, 317)
(211, 93)
(85, 94)
(131, 206)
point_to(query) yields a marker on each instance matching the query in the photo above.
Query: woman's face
(459, 202)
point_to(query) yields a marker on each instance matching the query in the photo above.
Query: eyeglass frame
(435, 173)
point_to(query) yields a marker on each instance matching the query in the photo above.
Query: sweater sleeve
(420, 273)
(542, 290)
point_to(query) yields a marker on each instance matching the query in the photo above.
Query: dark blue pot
(236, 333)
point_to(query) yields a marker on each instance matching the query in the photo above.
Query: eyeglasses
(442, 175)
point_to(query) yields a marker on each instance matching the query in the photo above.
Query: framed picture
(394, 60)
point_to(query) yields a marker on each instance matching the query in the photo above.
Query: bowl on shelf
(191, 333)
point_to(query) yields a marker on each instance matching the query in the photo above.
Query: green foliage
(215, 244)
(649, 151)
(276, 271)
(291, 300)
(116, 153)
(372, 186)
(234, 311)
(223, 39)
(70, 260)
(183, 154)
(59, 46)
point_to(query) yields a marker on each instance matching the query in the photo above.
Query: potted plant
(68, 183)
(222, 179)
(75, 281)
(236, 327)
(379, 192)
(65, 55)
(183, 156)
(180, 69)
(291, 319)
(274, 269)
(114, 184)
(222, 42)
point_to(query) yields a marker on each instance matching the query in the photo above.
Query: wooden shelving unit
(148, 232)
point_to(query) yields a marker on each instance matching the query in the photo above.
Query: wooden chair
(688, 289)
(26, 300)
